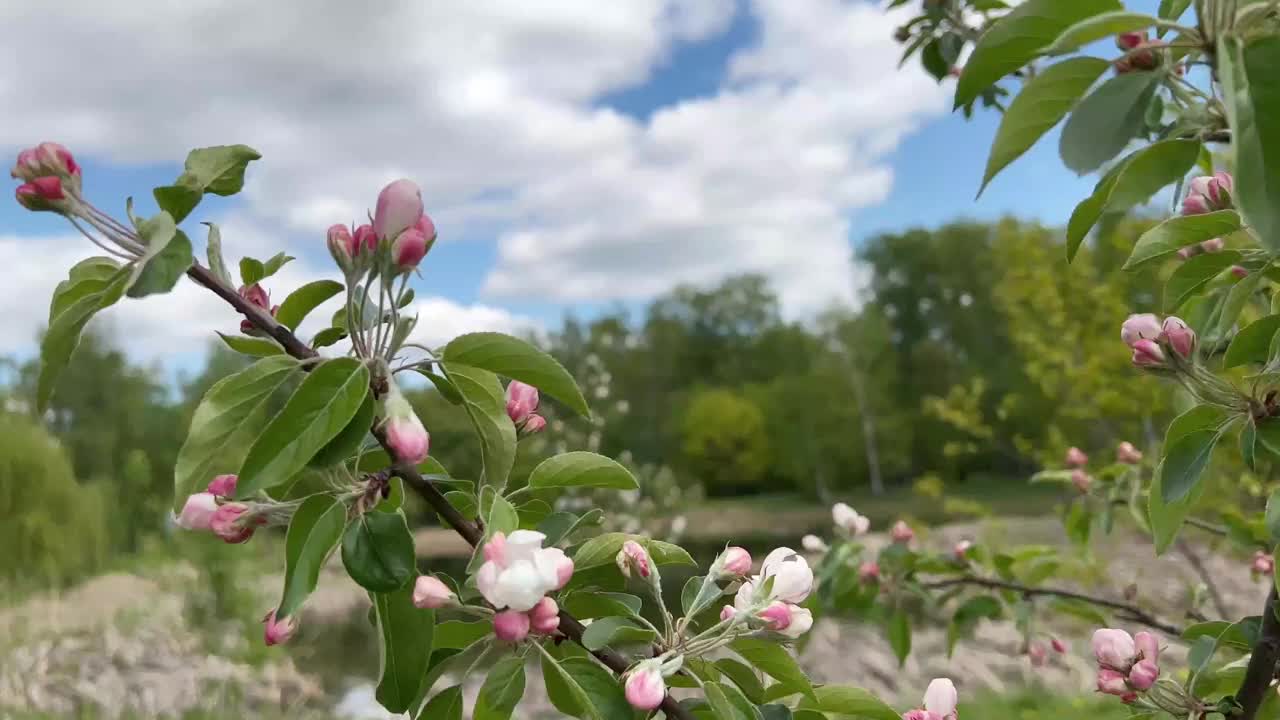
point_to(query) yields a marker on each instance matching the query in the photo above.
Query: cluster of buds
(1208, 193)
(258, 297)
(399, 227)
(212, 511)
(406, 436)
(771, 600)
(1141, 53)
(522, 408)
(1127, 664)
(1262, 565)
(50, 177)
(1148, 337)
(515, 578)
(940, 700)
(848, 521)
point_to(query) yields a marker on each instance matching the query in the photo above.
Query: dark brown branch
(1131, 612)
(569, 625)
(1262, 663)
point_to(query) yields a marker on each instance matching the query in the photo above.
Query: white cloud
(492, 105)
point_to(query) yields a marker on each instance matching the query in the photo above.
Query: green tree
(725, 443)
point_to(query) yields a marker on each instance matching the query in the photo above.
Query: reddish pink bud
(406, 436)
(49, 188)
(275, 631)
(535, 424)
(256, 295)
(1208, 193)
(633, 556)
(29, 198)
(1263, 563)
(902, 533)
(1147, 645)
(1140, 326)
(429, 593)
(1195, 205)
(544, 618)
(1081, 480)
(1239, 271)
(408, 249)
(197, 512)
(644, 687)
(961, 550)
(1037, 654)
(1180, 337)
(737, 561)
(227, 524)
(1112, 682)
(1076, 457)
(918, 714)
(399, 208)
(1213, 245)
(1143, 675)
(1146, 353)
(727, 612)
(1058, 646)
(1128, 454)
(869, 571)
(1114, 648)
(522, 401)
(1131, 40)
(364, 239)
(223, 485)
(1186, 252)
(777, 616)
(511, 626)
(342, 246)
(47, 158)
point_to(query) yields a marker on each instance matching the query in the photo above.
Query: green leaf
(89, 276)
(1191, 276)
(775, 661)
(1167, 518)
(847, 700)
(180, 198)
(251, 271)
(328, 336)
(560, 525)
(302, 301)
(1236, 299)
(1106, 120)
(899, 633)
(744, 677)
(1253, 343)
(1145, 171)
(1272, 516)
(404, 635)
(167, 258)
(1178, 232)
(1100, 26)
(213, 251)
(455, 665)
(594, 604)
(1184, 462)
(251, 346)
(349, 440)
(564, 691)
(219, 169)
(456, 635)
(63, 335)
(501, 691)
(1173, 9)
(967, 616)
(615, 631)
(485, 404)
(1017, 38)
(224, 422)
(446, 705)
(1268, 434)
(722, 701)
(442, 384)
(581, 469)
(314, 532)
(277, 261)
(598, 684)
(518, 360)
(1044, 101)
(1252, 100)
(377, 551)
(1082, 220)
(318, 410)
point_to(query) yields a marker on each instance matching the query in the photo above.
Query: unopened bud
(406, 437)
(1128, 454)
(511, 626)
(869, 571)
(1213, 245)
(1058, 645)
(197, 512)
(1076, 457)
(1081, 480)
(342, 247)
(544, 618)
(1038, 655)
(1263, 564)
(429, 593)
(229, 525)
(1131, 40)
(223, 485)
(961, 550)
(633, 556)
(1240, 271)
(1140, 326)
(1180, 337)
(408, 249)
(644, 687)
(813, 544)
(736, 561)
(522, 401)
(1143, 675)
(1146, 353)
(275, 631)
(399, 208)
(1208, 193)
(902, 532)
(364, 240)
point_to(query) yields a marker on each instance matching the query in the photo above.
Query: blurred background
(747, 232)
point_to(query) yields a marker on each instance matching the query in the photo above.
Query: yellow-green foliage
(724, 439)
(52, 529)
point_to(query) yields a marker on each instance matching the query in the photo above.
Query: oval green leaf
(163, 265)
(486, 406)
(1252, 99)
(1100, 26)
(603, 691)
(514, 358)
(502, 690)
(1178, 232)
(607, 631)
(446, 705)
(91, 275)
(1253, 343)
(251, 346)
(847, 700)
(317, 411)
(404, 639)
(377, 551)
(302, 301)
(349, 440)
(1191, 276)
(1106, 120)
(775, 661)
(63, 335)
(313, 533)
(581, 469)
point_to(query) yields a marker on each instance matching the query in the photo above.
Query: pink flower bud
(777, 616)
(429, 593)
(1114, 648)
(408, 249)
(223, 485)
(737, 561)
(364, 240)
(1128, 454)
(198, 512)
(1143, 675)
(227, 524)
(48, 188)
(406, 437)
(1180, 337)
(47, 158)
(918, 715)
(1186, 252)
(1058, 646)
(1076, 457)
(961, 550)
(495, 549)
(1131, 40)
(256, 295)
(1037, 654)
(1112, 683)
(1213, 245)
(544, 618)
(813, 544)
(1240, 271)
(563, 566)
(1081, 480)
(644, 687)
(633, 556)
(342, 246)
(727, 612)
(1148, 645)
(1208, 193)
(511, 626)
(399, 208)
(940, 698)
(277, 632)
(29, 198)
(522, 401)
(1195, 205)
(869, 571)
(902, 533)
(1146, 353)
(534, 424)
(1263, 563)
(1140, 326)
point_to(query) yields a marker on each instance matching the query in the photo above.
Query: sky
(575, 155)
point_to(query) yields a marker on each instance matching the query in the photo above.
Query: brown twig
(1262, 663)
(569, 625)
(1206, 577)
(1131, 612)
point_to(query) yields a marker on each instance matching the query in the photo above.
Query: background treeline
(976, 350)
